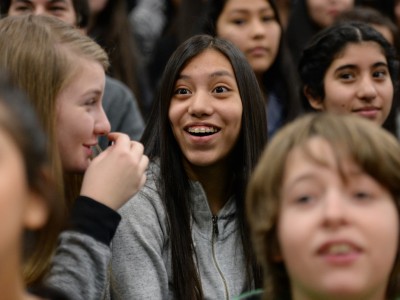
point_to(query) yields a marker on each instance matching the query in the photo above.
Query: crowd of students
(262, 159)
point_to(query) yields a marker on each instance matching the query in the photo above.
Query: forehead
(319, 152)
(360, 52)
(209, 60)
(241, 5)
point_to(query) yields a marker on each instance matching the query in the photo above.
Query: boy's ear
(36, 212)
(315, 102)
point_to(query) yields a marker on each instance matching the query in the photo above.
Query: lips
(258, 51)
(90, 149)
(339, 252)
(333, 12)
(367, 112)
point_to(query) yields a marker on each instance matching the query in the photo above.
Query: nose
(366, 89)
(257, 28)
(39, 11)
(102, 125)
(334, 210)
(200, 104)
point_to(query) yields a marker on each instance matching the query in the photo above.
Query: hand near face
(117, 173)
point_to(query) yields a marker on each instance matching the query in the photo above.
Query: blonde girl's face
(338, 238)
(324, 12)
(80, 116)
(252, 26)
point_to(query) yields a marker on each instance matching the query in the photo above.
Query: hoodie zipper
(215, 233)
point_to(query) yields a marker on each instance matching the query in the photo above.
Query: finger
(142, 181)
(119, 138)
(138, 147)
(143, 164)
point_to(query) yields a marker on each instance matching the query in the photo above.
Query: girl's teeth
(339, 249)
(202, 130)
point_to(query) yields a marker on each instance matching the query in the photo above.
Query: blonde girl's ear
(36, 212)
(315, 102)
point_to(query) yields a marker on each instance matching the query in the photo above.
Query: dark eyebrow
(221, 73)
(350, 66)
(214, 74)
(380, 64)
(244, 10)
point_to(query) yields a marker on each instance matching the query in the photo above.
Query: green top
(255, 294)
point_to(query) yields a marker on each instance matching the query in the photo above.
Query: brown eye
(238, 21)
(22, 8)
(182, 91)
(346, 76)
(221, 89)
(360, 195)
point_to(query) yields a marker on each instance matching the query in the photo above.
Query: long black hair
(174, 183)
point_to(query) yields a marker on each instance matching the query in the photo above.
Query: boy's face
(338, 238)
(61, 9)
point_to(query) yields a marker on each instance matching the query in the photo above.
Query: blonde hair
(40, 54)
(372, 148)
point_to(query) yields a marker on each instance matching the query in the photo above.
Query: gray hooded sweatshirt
(141, 253)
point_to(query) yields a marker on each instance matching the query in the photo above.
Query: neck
(373, 293)
(215, 180)
(11, 283)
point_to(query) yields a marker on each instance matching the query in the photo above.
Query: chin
(346, 289)
(77, 168)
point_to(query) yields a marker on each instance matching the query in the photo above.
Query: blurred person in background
(254, 27)
(310, 16)
(109, 26)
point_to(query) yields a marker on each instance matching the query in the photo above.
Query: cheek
(173, 114)
(236, 115)
(275, 38)
(233, 35)
(336, 95)
(13, 195)
(313, 7)
(397, 12)
(384, 236)
(348, 4)
(292, 239)
(388, 93)
(71, 19)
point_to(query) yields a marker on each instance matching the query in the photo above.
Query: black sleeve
(94, 219)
